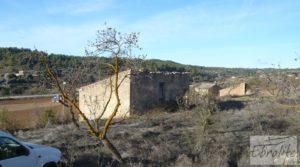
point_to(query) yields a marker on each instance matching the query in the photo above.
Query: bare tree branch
(122, 80)
(106, 105)
(117, 45)
(114, 112)
(70, 102)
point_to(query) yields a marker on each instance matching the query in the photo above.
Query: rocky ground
(175, 139)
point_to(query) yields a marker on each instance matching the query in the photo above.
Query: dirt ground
(174, 139)
(24, 113)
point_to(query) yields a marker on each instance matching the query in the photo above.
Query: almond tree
(109, 42)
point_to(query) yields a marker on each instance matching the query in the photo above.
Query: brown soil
(24, 113)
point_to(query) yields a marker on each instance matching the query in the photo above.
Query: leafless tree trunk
(108, 41)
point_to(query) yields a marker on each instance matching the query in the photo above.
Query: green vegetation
(35, 81)
(47, 117)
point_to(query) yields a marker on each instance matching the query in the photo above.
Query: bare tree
(109, 42)
(278, 84)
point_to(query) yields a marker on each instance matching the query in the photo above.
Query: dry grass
(171, 139)
(25, 113)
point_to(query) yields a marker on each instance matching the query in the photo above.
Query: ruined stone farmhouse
(242, 89)
(139, 92)
(205, 89)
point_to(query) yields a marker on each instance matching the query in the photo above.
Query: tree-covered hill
(33, 80)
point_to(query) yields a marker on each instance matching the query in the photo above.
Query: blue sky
(225, 33)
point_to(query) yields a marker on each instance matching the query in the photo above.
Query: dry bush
(279, 85)
(7, 122)
(182, 161)
(205, 108)
(269, 116)
(196, 99)
(49, 117)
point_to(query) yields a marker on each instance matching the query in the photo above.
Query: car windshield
(9, 148)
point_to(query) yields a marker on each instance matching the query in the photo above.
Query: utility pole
(63, 109)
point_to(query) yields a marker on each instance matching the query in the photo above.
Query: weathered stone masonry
(139, 92)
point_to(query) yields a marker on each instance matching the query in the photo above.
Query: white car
(14, 153)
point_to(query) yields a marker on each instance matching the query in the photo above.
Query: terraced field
(24, 113)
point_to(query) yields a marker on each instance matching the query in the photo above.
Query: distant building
(35, 73)
(20, 73)
(240, 90)
(56, 98)
(206, 88)
(139, 92)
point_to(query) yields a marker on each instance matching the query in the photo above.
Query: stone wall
(239, 90)
(205, 89)
(153, 89)
(212, 91)
(139, 92)
(93, 97)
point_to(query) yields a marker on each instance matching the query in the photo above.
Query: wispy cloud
(218, 29)
(79, 6)
(206, 21)
(203, 28)
(54, 39)
(192, 23)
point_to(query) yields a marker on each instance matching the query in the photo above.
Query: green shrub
(4, 91)
(36, 90)
(47, 117)
(17, 90)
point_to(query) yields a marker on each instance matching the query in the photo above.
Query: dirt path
(27, 104)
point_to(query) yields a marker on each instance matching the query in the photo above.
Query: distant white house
(21, 73)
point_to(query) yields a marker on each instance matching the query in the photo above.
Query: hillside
(22, 70)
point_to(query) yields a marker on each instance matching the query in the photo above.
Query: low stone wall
(239, 90)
